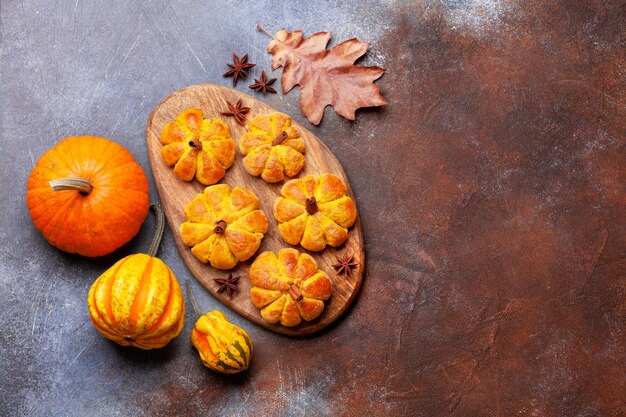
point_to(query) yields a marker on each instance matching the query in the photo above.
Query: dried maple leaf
(326, 76)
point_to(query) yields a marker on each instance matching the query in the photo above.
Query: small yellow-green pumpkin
(223, 346)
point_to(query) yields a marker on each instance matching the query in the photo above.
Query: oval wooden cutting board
(175, 194)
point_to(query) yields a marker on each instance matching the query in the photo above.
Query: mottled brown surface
(491, 192)
(509, 298)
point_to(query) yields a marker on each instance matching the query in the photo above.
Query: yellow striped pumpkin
(223, 346)
(137, 302)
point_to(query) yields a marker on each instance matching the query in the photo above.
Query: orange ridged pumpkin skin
(100, 222)
(137, 302)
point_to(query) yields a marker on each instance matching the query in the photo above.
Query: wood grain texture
(175, 194)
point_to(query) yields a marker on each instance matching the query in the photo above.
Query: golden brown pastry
(289, 287)
(223, 226)
(198, 147)
(272, 148)
(314, 212)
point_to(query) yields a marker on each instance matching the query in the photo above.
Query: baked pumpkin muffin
(272, 148)
(223, 226)
(314, 212)
(198, 147)
(288, 288)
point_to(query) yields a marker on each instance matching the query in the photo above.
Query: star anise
(239, 68)
(227, 284)
(345, 264)
(237, 111)
(263, 84)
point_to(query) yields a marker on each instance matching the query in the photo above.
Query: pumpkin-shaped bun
(224, 226)
(272, 148)
(314, 212)
(288, 287)
(198, 147)
(137, 302)
(87, 195)
(223, 346)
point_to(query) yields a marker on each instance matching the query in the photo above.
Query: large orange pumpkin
(87, 195)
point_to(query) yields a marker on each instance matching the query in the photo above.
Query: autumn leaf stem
(262, 29)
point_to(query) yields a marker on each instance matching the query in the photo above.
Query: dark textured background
(491, 190)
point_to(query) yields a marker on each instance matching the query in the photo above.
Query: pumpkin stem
(295, 293)
(160, 227)
(220, 227)
(82, 185)
(195, 144)
(192, 298)
(311, 206)
(280, 138)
